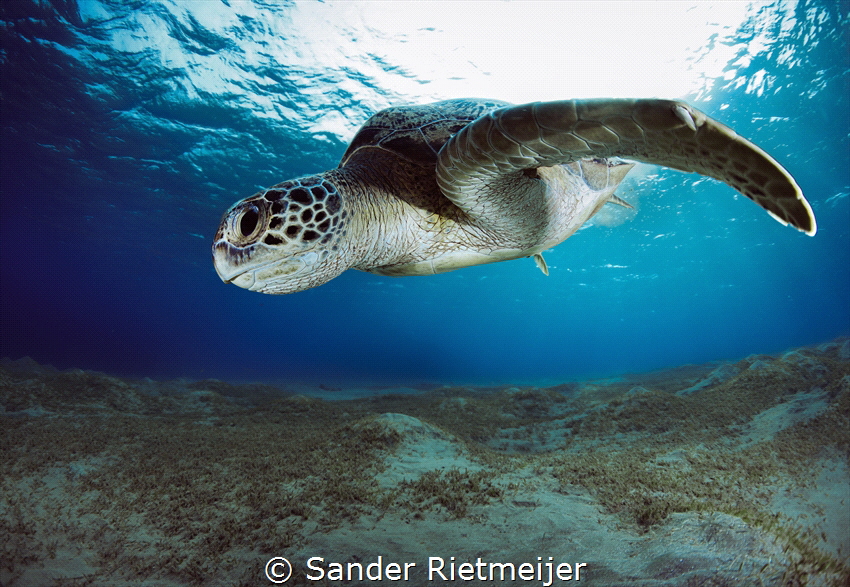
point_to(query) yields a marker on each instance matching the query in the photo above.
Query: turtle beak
(247, 269)
(230, 264)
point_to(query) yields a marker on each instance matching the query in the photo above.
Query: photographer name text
(545, 572)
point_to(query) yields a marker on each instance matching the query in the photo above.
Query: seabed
(720, 474)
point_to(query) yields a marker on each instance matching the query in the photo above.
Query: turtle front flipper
(500, 145)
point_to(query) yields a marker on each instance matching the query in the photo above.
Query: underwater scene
(514, 343)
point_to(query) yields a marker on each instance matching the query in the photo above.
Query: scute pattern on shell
(417, 133)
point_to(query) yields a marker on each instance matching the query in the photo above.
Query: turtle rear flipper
(484, 161)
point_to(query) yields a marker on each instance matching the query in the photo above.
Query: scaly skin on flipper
(663, 132)
(433, 188)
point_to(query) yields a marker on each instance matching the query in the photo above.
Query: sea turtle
(432, 188)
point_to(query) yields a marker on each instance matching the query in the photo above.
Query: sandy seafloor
(719, 474)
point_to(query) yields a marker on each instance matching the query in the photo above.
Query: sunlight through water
(377, 53)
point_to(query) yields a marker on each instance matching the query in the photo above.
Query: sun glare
(524, 51)
(345, 59)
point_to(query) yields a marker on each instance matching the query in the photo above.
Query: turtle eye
(248, 221)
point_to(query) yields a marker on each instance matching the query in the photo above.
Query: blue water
(129, 128)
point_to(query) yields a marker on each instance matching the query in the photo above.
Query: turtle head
(284, 239)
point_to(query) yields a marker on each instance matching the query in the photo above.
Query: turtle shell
(417, 133)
